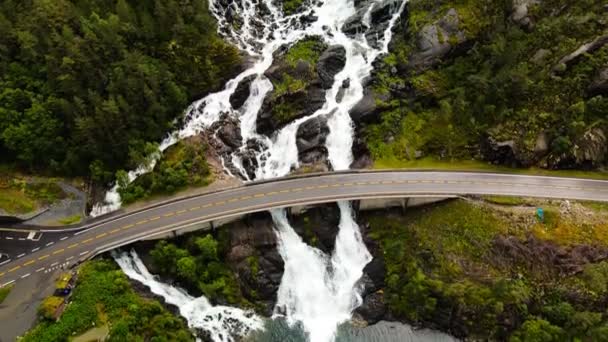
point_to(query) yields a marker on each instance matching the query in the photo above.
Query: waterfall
(317, 291)
(221, 322)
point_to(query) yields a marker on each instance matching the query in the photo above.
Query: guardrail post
(404, 203)
(212, 226)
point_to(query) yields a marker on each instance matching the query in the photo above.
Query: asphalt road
(71, 247)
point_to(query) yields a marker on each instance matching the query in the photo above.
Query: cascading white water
(316, 290)
(221, 322)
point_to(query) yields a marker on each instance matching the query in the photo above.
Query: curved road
(126, 228)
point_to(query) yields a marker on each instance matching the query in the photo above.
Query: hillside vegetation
(88, 86)
(499, 81)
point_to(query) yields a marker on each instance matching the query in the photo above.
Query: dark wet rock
(230, 133)
(502, 152)
(241, 93)
(361, 154)
(366, 110)
(373, 308)
(312, 134)
(330, 63)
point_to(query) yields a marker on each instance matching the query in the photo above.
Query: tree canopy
(86, 85)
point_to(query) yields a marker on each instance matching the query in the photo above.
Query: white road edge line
(9, 238)
(83, 253)
(20, 255)
(6, 284)
(63, 238)
(50, 243)
(40, 269)
(54, 264)
(70, 258)
(35, 249)
(5, 262)
(26, 275)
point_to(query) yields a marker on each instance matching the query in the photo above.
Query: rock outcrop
(599, 86)
(299, 85)
(330, 63)
(310, 140)
(435, 41)
(240, 95)
(521, 13)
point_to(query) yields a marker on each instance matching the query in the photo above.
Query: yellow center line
(374, 183)
(169, 214)
(142, 222)
(127, 226)
(44, 257)
(347, 184)
(220, 203)
(310, 188)
(209, 205)
(29, 262)
(336, 185)
(101, 235)
(272, 193)
(322, 186)
(14, 269)
(195, 208)
(258, 195)
(285, 191)
(155, 218)
(180, 211)
(387, 182)
(361, 183)
(1, 274)
(72, 246)
(114, 231)
(232, 200)
(296, 189)
(59, 251)
(87, 240)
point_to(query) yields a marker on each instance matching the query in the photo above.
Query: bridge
(77, 244)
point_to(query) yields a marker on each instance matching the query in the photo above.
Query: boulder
(373, 308)
(241, 93)
(312, 134)
(590, 150)
(599, 86)
(520, 13)
(366, 110)
(435, 41)
(330, 63)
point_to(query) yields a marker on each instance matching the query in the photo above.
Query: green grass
(505, 200)
(70, 220)
(4, 293)
(308, 49)
(14, 201)
(474, 165)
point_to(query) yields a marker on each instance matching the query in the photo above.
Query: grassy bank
(430, 163)
(103, 296)
(22, 195)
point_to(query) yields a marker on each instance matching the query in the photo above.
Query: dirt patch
(544, 257)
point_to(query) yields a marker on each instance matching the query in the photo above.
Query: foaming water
(318, 292)
(223, 323)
